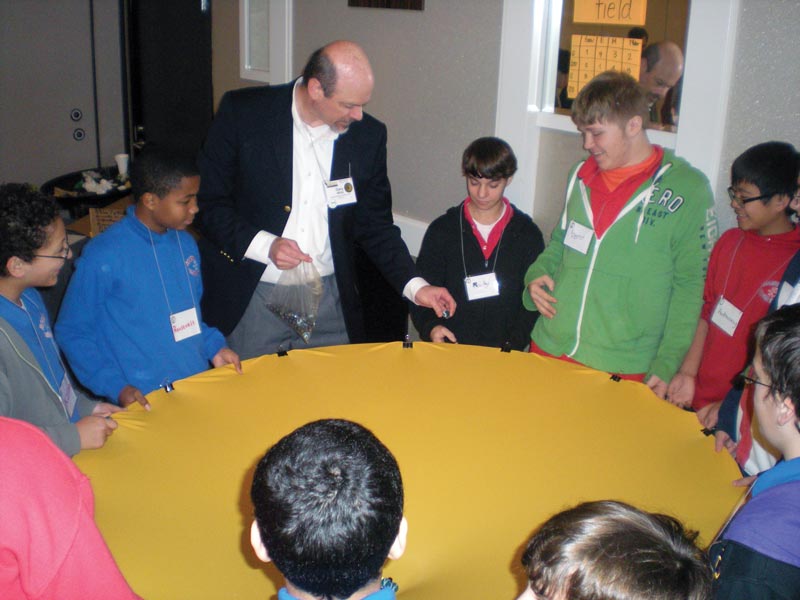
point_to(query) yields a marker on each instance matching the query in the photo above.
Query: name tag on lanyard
(185, 324)
(339, 192)
(726, 316)
(482, 286)
(68, 396)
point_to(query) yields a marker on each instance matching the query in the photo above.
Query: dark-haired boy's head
(777, 365)
(611, 96)
(25, 216)
(778, 340)
(328, 502)
(772, 167)
(489, 158)
(159, 170)
(611, 550)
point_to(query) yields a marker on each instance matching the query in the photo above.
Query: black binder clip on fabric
(283, 353)
(167, 385)
(407, 343)
(615, 377)
(506, 347)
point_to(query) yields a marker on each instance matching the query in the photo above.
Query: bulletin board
(590, 55)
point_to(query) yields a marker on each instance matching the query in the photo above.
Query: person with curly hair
(34, 384)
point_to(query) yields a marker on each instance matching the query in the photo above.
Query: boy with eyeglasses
(744, 271)
(734, 431)
(757, 555)
(34, 385)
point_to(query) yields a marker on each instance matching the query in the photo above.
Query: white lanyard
(161, 277)
(41, 346)
(65, 393)
(461, 231)
(730, 266)
(322, 171)
(337, 192)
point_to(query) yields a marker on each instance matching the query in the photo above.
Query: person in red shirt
(50, 547)
(744, 272)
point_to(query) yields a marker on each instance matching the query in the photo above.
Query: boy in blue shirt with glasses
(34, 385)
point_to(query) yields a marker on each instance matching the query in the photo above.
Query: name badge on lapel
(339, 192)
(185, 324)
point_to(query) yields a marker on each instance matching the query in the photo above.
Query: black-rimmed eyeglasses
(63, 256)
(746, 377)
(742, 201)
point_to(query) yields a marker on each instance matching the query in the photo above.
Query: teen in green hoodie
(620, 284)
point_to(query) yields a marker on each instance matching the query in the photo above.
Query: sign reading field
(610, 12)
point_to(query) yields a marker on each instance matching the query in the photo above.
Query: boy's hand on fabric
(709, 414)
(658, 385)
(104, 409)
(440, 333)
(436, 298)
(94, 430)
(130, 395)
(543, 301)
(286, 254)
(723, 440)
(680, 391)
(226, 356)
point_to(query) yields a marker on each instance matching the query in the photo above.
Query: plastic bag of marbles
(295, 298)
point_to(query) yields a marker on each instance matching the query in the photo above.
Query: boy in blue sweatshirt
(34, 385)
(130, 322)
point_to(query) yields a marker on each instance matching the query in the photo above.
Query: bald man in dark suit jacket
(246, 192)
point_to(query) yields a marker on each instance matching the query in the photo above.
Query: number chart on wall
(593, 54)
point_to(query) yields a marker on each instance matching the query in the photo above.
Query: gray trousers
(260, 331)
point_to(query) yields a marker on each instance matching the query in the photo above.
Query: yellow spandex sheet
(489, 445)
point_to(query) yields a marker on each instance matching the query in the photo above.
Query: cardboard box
(100, 219)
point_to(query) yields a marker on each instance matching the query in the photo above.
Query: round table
(489, 444)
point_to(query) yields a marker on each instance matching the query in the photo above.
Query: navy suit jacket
(246, 186)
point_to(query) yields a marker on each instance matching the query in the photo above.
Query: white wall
(45, 73)
(436, 86)
(225, 49)
(764, 102)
